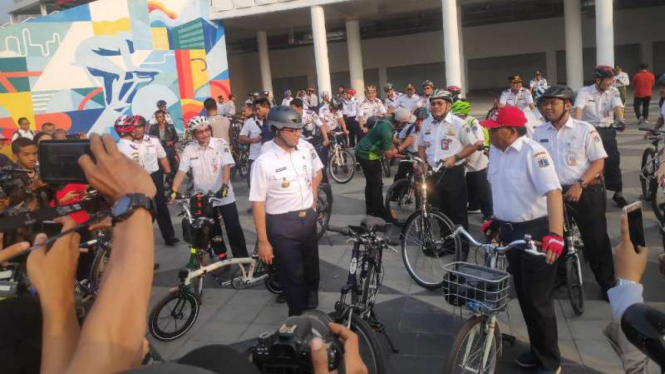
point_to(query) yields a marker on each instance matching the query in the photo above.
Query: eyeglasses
(437, 103)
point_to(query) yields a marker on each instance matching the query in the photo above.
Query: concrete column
(572, 14)
(604, 32)
(321, 49)
(647, 53)
(550, 56)
(462, 57)
(451, 46)
(264, 61)
(354, 48)
(42, 9)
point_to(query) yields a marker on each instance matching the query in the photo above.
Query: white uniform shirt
(129, 149)
(283, 180)
(330, 119)
(251, 130)
(477, 161)
(423, 102)
(413, 148)
(311, 120)
(23, 134)
(542, 83)
(371, 108)
(406, 102)
(150, 151)
(521, 176)
(287, 101)
(598, 108)
(621, 80)
(572, 148)
(444, 139)
(207, 164)
(230, 108)
(312, 100)
(350, 107)
(222, 109)
(391, 101)
(521, 100)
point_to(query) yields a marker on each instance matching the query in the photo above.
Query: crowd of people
(544, 151)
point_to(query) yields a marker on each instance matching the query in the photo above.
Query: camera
(287, 350)
(58, 161)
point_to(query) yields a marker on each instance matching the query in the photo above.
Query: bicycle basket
(477, 288)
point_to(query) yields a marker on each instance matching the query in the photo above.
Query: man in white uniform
(252, 133)
(391, 99)
(350, 112)
(621, 82)
(409, 100)
(370, 107)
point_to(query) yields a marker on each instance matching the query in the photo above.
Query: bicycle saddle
(374, 224)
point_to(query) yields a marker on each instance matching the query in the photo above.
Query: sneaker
(640, 120)
(548, 371)
(527, 360)
(281, 298)
(645, 121)
(620, 201)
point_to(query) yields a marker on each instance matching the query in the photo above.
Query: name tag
(544, 140)
(280, 169)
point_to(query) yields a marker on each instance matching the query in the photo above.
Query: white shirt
(207, 164)
(222, 109)
(521, 176)
(413, 148)
(283, 180)
(407, 102)
(23, 134)
(251, 130)
(371, 108)
(521, 100)
(129, 149)
(150, 151)
(230, 108)
(391, 101)
(538, 83)
(572, 148)
(477, 161)
(311, 120)
(621, 80)
(330, 119)
(444, 139)
(598, 108)
(287, 101)
(423, 102)
(350, 107)
(312, 100)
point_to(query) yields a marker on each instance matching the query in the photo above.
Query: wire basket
(477, 288)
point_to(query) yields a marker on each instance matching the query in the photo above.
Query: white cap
(404, 115)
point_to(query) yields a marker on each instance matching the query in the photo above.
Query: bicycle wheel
(323, 209)
(574, 283)
(400, 201)
(490, 113)
(271, 282)
(242, 166)
(99, 265)
(370, 348)
(173, 316)
(342, 166)
(385, 166)
(425, 249)
(468, 350)
(647, 171)
(658, 201)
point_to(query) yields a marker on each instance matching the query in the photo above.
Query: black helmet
(284, 116)
(335, 104)
(161, 103)
(420, 113)
(559, 92)
(644, 326)
(603, 72)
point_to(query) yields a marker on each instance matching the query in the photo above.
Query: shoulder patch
(542, 159)
(540, 153)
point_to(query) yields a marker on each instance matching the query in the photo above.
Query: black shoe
(171, 242)
(280, 299)
(527, 360)
(155, 266)
(312, 300)
(620, 201)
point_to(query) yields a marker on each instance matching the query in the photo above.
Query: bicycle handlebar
(531, 247)
(418, 161)
(340, 230)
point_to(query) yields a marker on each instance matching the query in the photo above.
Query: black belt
(522, 225)
(297, 213)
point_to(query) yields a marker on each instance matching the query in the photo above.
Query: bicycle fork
(490, 326)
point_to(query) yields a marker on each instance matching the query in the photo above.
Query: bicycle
(573, 245)
(402, 198)
(364, 282)
(651, 190)
(425, 243)
(483, 290)
(324, 203)
(182, 303)
(341, 162)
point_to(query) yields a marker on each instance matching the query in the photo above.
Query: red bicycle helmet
(454, 89)
(603, 72)
(125, 124)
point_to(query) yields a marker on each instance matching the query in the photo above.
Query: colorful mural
(82, 68)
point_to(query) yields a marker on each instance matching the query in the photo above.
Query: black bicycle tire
(271, 283)
(490, 113)
(95, 277)
(352, 167)
(367, 334)
(393, 187)
(156, 331)
(648, 155)
(461, 337)
(572, 281)
(328, 213)
(405, 229)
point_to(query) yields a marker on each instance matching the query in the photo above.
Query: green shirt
(377, 141)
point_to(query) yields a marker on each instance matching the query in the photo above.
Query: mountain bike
(402, 199)
(341, 162)
(177, 312)
(573, 245)
(651, 190)
(425, 240)
(485, 291)
(364, 282)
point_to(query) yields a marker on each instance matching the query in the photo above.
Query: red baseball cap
(351, 91)
(507, 116)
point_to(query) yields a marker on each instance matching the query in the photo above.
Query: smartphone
(635, 224)
(58, 161)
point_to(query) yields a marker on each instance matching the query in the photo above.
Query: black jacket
(170, 135)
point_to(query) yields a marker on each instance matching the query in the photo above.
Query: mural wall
(82, 68)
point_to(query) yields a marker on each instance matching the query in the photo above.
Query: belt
(297, 213)
(520, 225)
(594, 182)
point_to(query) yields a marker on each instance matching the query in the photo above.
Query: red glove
(489, 228)
(553, 243)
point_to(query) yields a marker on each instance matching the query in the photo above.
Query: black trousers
(21, 337)
(293, 239)
(229, 213)
(612, 168)
(162, 212)
(534, 283)
(170, 156)
(323, 155)
(373, 187)
(480, 192)
(589, 214)
(249, 173)
(403, 170)
(354, 129)
(450, 194)
(641, 106)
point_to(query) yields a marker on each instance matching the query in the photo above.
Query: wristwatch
(125, 206)
(621, 282)
(582, 183)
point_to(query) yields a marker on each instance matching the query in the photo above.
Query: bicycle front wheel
(647, 171)
(342, 166)
(468, 352)
(370, 348)
(323, 209)
(400, 201)
(574, 283)
(425, 249)
(173, 316)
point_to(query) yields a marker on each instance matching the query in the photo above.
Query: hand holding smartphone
(635, 224)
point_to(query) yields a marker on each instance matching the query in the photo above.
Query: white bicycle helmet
(197, 123)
